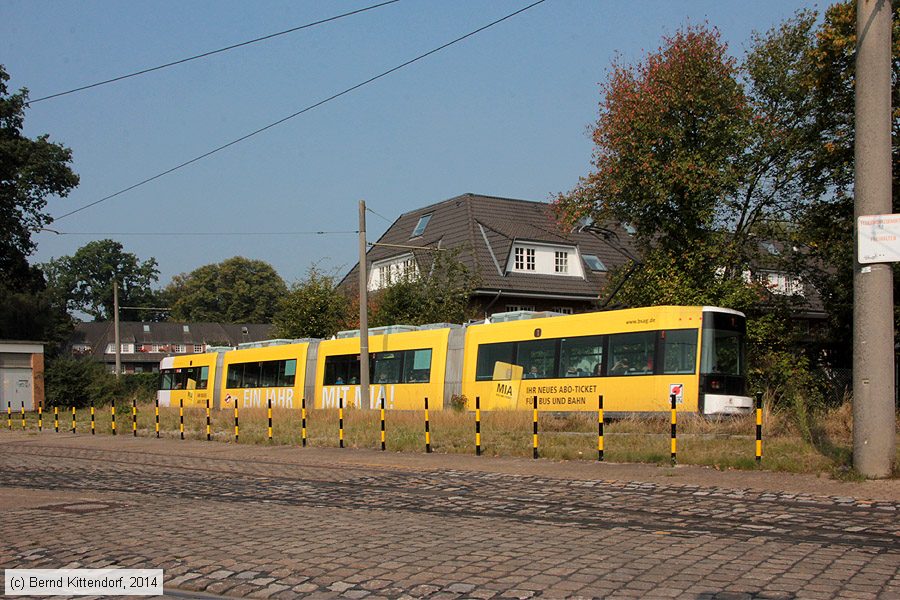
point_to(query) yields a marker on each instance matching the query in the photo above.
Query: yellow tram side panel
(397, 396)
(257, 397)
(195, 393)
(630, 393)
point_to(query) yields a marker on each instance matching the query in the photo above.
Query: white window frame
(561, 261)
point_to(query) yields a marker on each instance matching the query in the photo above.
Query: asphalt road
(284, 522)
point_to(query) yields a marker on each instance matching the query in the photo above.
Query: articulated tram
(636, 358)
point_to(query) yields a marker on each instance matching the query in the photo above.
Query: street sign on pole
(878, 238)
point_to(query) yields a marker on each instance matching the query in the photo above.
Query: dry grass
(723, 443)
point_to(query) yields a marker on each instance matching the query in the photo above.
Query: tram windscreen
(723, 344)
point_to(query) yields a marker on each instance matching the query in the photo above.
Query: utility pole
(363, 311)
(873, 305)
(116, 325)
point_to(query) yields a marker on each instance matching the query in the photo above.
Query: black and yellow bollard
(672, 397)
(8, 415)
(74, 428)
(341, 422)
(600, 428)
(269, 413)
(134, 417)
(112, 417)
(56, 418)
(427, 429)
(477, 425)
(208, 428)
(23, 416)
(181, 417)
(535, 428)
(156, 410)
(303, 421)
(758, 427)
(383, 441)
(237, 429)
(93, 429)
(40, 418)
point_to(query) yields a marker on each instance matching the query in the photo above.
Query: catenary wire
(299, 112)
(378, 215)
(211, 52)
(199, 233)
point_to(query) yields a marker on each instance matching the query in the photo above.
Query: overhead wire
(211, 52)
(368, 209)
(199, 233)
(300, 112)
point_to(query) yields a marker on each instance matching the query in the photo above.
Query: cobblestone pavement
(280, 522)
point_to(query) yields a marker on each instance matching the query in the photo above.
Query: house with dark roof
(522, 259)
(143, 345)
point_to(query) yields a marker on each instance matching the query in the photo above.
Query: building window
(421, 225)
(562, 262)
(594, 263)
(566, 310)
(198, 348)
(524, 259)
(391, 271)
(517, 307)
(177, 348)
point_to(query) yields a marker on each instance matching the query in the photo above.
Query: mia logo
(504, 389)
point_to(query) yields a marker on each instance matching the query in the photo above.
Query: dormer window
(421, 225)
(524, 259)
(388, 272)
(538, 258)
(561, 261)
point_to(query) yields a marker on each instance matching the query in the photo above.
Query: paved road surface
(281, 522)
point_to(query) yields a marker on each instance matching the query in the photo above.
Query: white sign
(878, 238)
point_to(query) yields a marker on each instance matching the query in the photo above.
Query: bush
(79, 381)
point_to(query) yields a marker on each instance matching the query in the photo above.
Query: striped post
(93, 426)
(112, 417)
(208, 428)
(74, 428)
(134, 417)
(181, 417)
(237, 429)
(23, 416)
(56, 418)
(600, 428)
(674, 435)
(269, 412)
(341, 422)
(535, 423)
(8, 415)
(477, 425)
(303, 421)
(383, 444)
(156, 410)
(758, 427)
(40, 418)
(427, 431)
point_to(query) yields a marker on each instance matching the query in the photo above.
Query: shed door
(16, 389)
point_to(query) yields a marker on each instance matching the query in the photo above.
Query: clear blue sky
(504, 113)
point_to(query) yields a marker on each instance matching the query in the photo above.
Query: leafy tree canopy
(237, 290)
(438, 293)
(312, 308)
(30, 172)
(85, 280)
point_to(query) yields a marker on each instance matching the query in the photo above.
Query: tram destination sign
(878, 238)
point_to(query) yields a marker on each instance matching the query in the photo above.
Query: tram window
(722, 352)
(167, 379)
(268, 373)
(387, 367)
(489, 355)
(679, 351)
(251, 375)
(287, 372)
(235, 374)
(581, 357)
(340, 370)
(417, 366)
(537, 358)
(632, 353)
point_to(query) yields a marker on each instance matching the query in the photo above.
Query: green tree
(85, 280)
(31, 171)
(237, 290)
(438, 293)
(312, 308)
